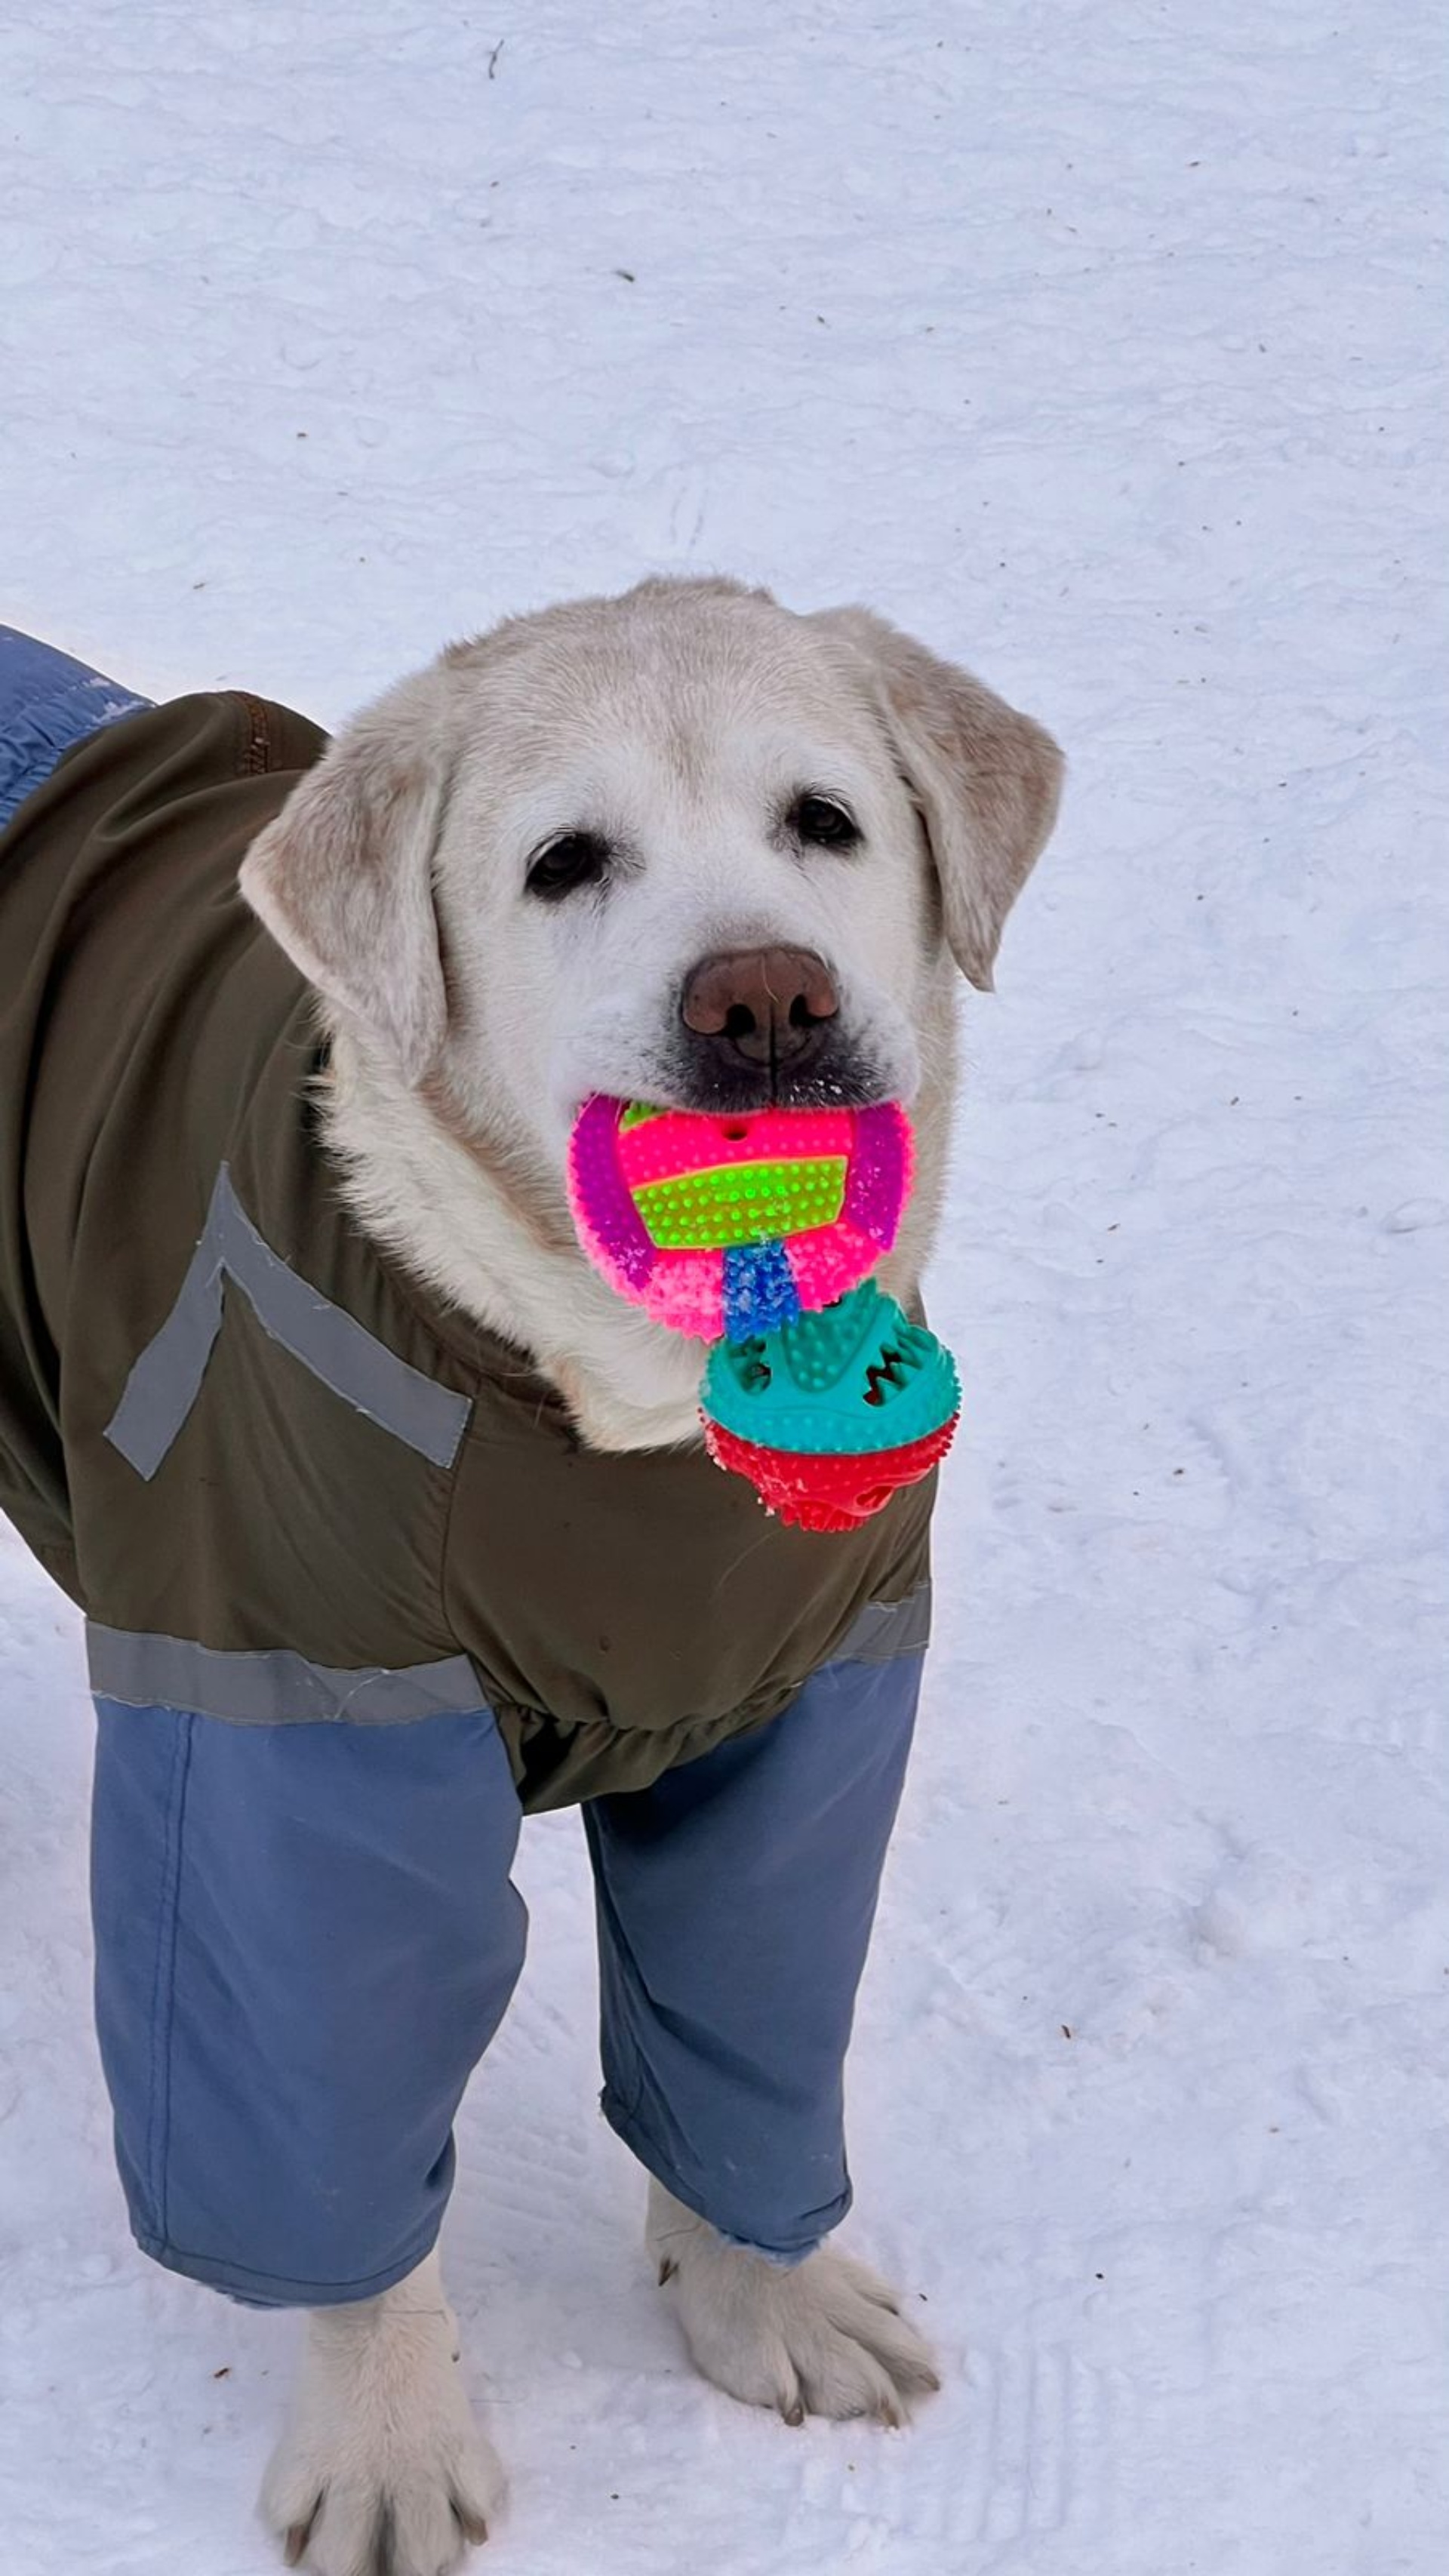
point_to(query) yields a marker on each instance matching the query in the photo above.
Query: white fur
(468, 1022)
(824, 2338)
(381, 2470)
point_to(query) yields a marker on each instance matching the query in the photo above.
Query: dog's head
(681, 846)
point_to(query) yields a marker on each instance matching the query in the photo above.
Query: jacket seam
(163, 1997)
(445, 1558)
(256, 745)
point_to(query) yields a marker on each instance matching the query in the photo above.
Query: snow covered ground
(1094, 343)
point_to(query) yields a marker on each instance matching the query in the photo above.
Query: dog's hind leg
(306, 1937)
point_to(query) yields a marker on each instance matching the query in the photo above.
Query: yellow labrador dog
(610, 791)
(391, 1520)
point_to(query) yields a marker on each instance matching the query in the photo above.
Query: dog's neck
(481, 1229)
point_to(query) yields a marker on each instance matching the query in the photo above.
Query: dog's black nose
(759, 1010)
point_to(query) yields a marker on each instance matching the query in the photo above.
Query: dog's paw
(381, 2470)
(826, 2338)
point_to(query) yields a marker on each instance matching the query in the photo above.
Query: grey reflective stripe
(276, 1688)
(166, 1380)
(886, 1629)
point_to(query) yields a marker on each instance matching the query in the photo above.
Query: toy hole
(752, 1367)
(734, 1130)
(883, 1377)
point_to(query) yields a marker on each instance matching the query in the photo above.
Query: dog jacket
(355, 1591)
(278, 1475)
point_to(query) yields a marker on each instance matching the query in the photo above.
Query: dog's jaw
(488, 1228)
(466, 1220)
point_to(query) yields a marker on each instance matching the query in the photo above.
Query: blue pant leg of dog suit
(735, 1904)
(306, 1937)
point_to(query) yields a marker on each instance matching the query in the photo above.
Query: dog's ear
(985, 780)
(343, 877)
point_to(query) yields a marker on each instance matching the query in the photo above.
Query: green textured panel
(741, 1203)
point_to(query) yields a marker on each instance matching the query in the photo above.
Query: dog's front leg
(823, 2337)
(737, 1895)
(381, 2470)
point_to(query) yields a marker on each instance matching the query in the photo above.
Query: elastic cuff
(767, 2254)
(817, 2225)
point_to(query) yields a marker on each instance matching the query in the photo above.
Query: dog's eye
(823, 823)
(574, 860)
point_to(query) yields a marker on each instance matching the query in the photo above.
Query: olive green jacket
(281, 1478)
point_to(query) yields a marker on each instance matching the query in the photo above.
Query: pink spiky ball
(736, 1224)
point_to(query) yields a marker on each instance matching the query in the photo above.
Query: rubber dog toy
(832, 1415)
(756, 1233)
(736, 1225)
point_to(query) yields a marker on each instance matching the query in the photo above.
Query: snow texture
(1098, 346)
